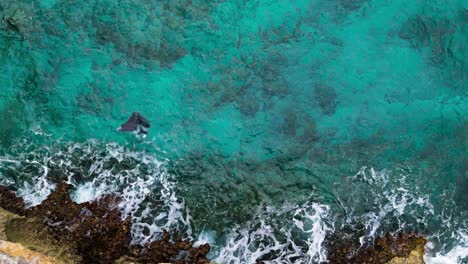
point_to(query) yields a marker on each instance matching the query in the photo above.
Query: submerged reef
(326, 97)
(90, 232)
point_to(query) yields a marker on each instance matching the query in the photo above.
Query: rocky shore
(62, 231)
(91, 232)
(402, 248)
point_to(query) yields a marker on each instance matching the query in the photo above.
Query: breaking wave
(141, 179)
(458, 254)
(301, 233)
(290, 234)
(367, 204)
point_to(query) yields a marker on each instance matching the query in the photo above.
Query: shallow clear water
(275, 124)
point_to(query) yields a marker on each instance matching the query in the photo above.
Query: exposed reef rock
(402, 248)
(97, 225)
(10, 202)
(163, 250)
(91, 232)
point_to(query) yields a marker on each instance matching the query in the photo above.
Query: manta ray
(136, 124)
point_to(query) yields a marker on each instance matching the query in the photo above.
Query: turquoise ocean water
(275, 124)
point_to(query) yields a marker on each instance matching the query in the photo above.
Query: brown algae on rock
(402, 248)
(91, 232)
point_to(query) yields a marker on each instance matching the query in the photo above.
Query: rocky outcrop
(94, 232)
(5, 218)
(98, 227)
(10, 202)
(416, 256)
(401, 248)
(17, 253)
(31, 235)
(163, 250)
(91, 232)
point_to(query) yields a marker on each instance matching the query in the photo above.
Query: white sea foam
(389, 199)
(206, 236)
(266, 236)
(9, 161)
(312, 223)
(38, 187)
(139, 178)
(456, 255)
(84, 193)
(394, 199)
(288, 234)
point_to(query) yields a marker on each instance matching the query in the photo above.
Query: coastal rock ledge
(12, 253)
(62, 231)
(401, 248)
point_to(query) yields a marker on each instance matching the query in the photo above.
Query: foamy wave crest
(458, 254)
(36, 186)
(291, 234)
(389, 200)
(393, 202)
(141, 179)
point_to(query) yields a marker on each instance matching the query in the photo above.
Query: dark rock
(10, 202)
(96, 232)
(326, 97)
(274, 83)
(204, 249)
(249, 106)
(180, 252)
(300, 126)
(165, 52)
(423, 31)
(352, 5)
(98, 227)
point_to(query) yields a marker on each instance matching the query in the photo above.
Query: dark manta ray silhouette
(136, 124)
